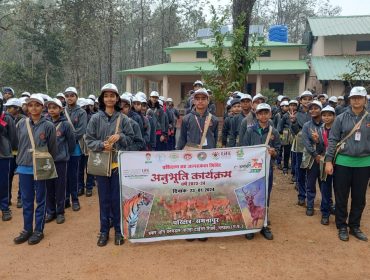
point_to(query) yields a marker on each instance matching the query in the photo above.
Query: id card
(358, 136)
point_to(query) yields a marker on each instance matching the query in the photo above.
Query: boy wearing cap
(351, 130)
(8, 143)
(44, 136)
(159, 118)
(258, 135)
(313, 149)
(8, 93)
(78, 119)
(227, 126)
(298, 119)
(56, 189)
(172, 130)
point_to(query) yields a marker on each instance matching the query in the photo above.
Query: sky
(349, 7)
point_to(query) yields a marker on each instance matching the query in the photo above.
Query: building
(280, 67)
(333, 42)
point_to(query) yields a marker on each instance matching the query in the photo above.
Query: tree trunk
(241, 7)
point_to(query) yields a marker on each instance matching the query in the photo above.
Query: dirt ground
(302, 249)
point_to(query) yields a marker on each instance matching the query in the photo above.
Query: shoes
(325, 221)
(88, 193)
(309, 212)
(301, 202)
(190, 239)
(60, 219)
(103, 239)
(343, 234)
(19, 203)
(35, 238)
(81, 192)
(7, 215)
(49, 218)
(266, 232)
(356, 232)
(22, 237)
(202, 239)
(118, 239)
(67, 204)
(249, 236)
(76, 206)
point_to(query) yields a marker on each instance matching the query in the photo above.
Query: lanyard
(200, 129)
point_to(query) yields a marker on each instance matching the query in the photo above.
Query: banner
(193, 194)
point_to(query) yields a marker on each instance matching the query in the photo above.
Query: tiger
(131, 209)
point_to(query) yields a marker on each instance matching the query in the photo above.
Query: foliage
(270, 94)
(359, 74)
(230, 73)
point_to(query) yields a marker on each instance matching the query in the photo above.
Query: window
(277, 87)
(363, 46)
(202, 54)
(266, 53)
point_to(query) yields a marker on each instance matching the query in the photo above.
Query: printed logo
(76, 119)
(148, 157)
(225, 154)
(216, 155)
(202, 156)
(161, 157)
(174, 157)
(256, 165)
(42, 136)
(188, 156)
(59, 133)
(240, 154)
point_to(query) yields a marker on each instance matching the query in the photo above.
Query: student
(326, 187)
(78, 119)
(44, 135)
(8, 93)
(283, 127)
(149, 136)
(101, 135)
(298, 119)
(279, 112)
(313, 149)
(8, 143)
(194, 125)
(172, 129)
(257, 135)
(228, 122)
(352, 165)
(158, 115)
(56, 188)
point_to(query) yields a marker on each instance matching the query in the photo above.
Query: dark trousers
(171, 143)
(354, 180)
(109, 201)
(160, 146)
(31, 189)
(13, 167)
(4, 183)
(56, 190)
(286, 155)
(313, 176)
(271, 180)
(326, 196)
(294, 163)
(81, 175)
(72, 178)
(300, 174)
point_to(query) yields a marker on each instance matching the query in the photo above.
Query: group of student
(322, 141)
(67, 127)
(325, 140)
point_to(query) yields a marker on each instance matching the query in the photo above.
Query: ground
(302, 249)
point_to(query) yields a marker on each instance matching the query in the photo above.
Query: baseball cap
(328, 108)
(358, 91)
(37, 98)
(26, 93)
(125, 97)
(55, 101)
(60, 94)
(246, 96)
(71, 89)
(258, 96)
(8, 90)
(293, 101)
(333, 99)
(235, 101)
(198, 82)
(284, 103)
(154, 94)
(263, 106)
(109, 87)
(340, 97)
(169, 99)
(306, 93)
(201, 91)
(13, 102)
(92, 97)
(315, 102)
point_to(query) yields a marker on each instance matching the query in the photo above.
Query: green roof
(331, 68)
(196, 45)
(344, 25)
(191, 68)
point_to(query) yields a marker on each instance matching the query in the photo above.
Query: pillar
(128, 83)
(259, 84)
(302, 82)
(165, 86)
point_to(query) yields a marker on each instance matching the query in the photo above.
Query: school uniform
(56, 188)
(239, 125)
(8, 143)
(100, 127)
(78, 118)
(152, 137)
(226, 131)
(285, 124)
(44, 136)
(159, 119)
(138, 143)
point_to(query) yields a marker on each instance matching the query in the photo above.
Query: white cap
(81, 102)
(125, 97)
(328, 108)
(141, 94)
(280, 97)
(326, 96)
(228, 103)
(341, 97)
(7, 89)
(263, 106)
(45, 97)
(201, 91)
(109, 87)
(61, 94)
(71, 89)
(162, 98)
(26, 93)
(284, 103)
(13, 102)
(92, 97)
(89, 101)
(36, 97)
(315, 102)
(306, 93)
(197, 82)
(333, 99)
(55, 101)
(142, 99)
(293, 101)
(358, 91)
(160, 102)
(1, 96)
(169, 99)
(259, 96)
(154, 94)
(23, 100)
(136, 99)
(246, 96)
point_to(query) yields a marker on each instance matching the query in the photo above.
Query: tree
(359, 73)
